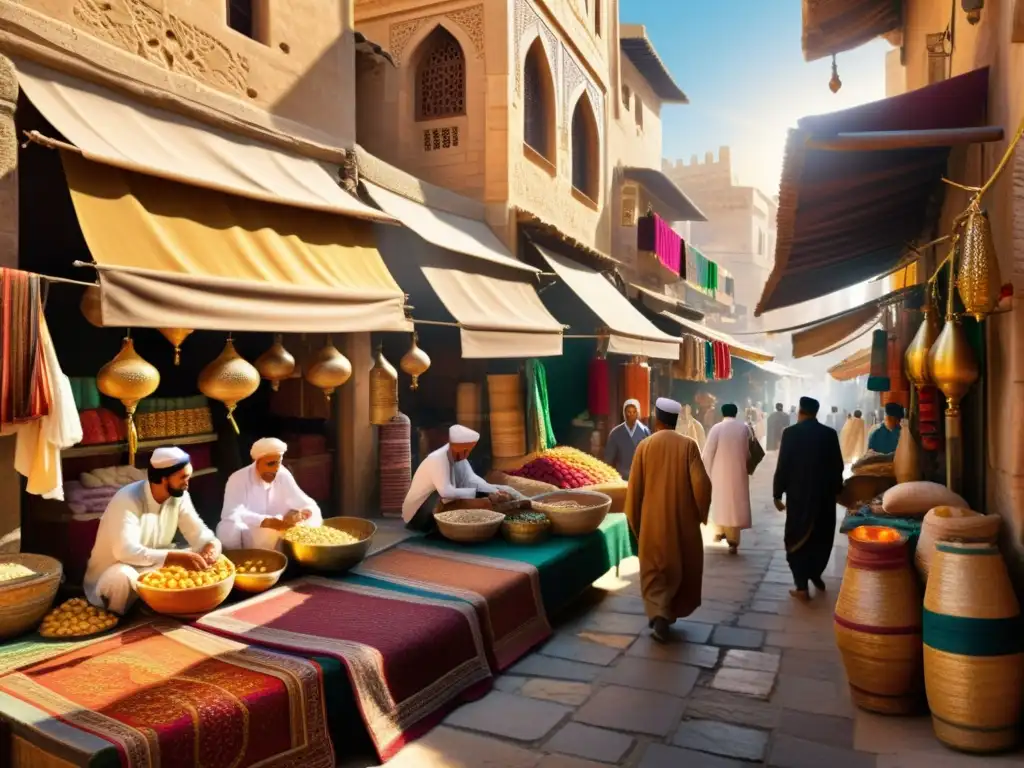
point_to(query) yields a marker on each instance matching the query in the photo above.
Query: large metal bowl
(273, 561)
(186, 602)
(334, 558)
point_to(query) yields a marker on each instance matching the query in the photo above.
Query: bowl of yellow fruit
(337, 545)
(75, 619)
(256, 570)
(176, 591)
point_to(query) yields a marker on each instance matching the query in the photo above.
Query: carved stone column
(10, 486)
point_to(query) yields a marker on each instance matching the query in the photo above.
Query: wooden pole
(882, 140)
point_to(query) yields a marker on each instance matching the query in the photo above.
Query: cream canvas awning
(176, 256)
(736, 348)
(110, 128)
(630, 333)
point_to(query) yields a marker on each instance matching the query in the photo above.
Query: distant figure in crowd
(725, 459)
(445, 475)
(624, 438)
(809, 476)
(262, 501)
(691, 428)
(777, 422)
(834, 420)
(710, 417)
(852, 438)
(886, 436)
(792, 413)
(667, 502)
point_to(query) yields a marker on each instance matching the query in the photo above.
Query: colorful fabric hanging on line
(701, 271)
(690, 366)
(539, 410)
(656, 236)
(24, 379)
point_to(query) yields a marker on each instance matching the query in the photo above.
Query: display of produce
(528, 518)
(177, 577)
(319, 535)
(566, 467)
(469, 516)
(252, 566)
(76, 618)
(11, 571)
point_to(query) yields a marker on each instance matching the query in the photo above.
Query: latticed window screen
(441, 78)
(535, 105)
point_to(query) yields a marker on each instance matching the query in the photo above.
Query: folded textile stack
(101, 426)
(158, 417)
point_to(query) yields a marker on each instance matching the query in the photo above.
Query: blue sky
(741, 65)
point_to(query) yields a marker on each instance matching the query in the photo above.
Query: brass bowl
(525, 533)
(186, 602)
(334, 558)
(273, 560)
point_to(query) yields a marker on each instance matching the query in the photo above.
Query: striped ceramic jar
(878, 623)
(973, 649)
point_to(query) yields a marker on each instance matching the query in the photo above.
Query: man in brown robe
(668, 499)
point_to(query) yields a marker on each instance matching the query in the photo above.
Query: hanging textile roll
(597, 387)
(395, 464)
(636, 381)
(878, 378)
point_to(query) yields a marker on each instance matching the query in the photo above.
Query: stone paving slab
(661, 756)
(710, 704)
(614, 623)
(591, 743)
(824, 729)
(744, 681)
(755, 661)
(821, 697)
(620, 642)
(566, 692)
(652, 675)
(449, 748)
(509, 716)
(764, 621)
(723, 739)
(575, 649)
(632, 710)
(705, 656)
(734, 637)
(692, 632)
(537, 665)
(564, 761)
(790, 752)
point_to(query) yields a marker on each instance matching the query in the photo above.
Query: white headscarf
(267, 446)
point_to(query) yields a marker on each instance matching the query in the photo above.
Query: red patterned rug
(176, 697)
(505, 593)
(410, 657)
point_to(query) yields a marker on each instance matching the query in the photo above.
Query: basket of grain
(469, 526)
(526, 528)
(573, 513)
(28, 584)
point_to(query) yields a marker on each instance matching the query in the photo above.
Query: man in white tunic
(138, 528)
(725, 458)
(262, 501)
(445, 475)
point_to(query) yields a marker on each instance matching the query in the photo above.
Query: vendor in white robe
(137, 530)
(445, 475)
(725, 459)
(262, 501)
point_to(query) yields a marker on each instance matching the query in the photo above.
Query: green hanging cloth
(546, 432)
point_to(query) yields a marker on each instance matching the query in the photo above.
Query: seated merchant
(886, 435)
(445, 475)
(262, 500)
(138, 527)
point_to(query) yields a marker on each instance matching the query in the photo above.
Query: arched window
(441, 77)
(585, 161)
(538, 103)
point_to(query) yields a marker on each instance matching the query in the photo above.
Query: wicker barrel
(508, 421)
(953, 524)
(383, 391)
(395, 464)
(973, 649)
(467, 405)
(878, 623)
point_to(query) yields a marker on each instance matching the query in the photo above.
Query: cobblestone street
(755, 679)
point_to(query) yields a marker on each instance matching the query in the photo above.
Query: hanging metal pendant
(415, 362)
(978, 282)
(128, 378)
(230, 378)
(951, 363)
(917, 353)
(177, 337)
(276, 364)
(329, 369)
(383, 390)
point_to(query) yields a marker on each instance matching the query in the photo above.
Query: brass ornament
(177, 337)
(128, 378)
(917, 351)
(229, 378)
(329, 369)
(276, 364)
(383, 390)
(415, 363)
(952, 365)
(90, 306)
(834, 84)
(978, 282)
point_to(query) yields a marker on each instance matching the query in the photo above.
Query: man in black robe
(809, 475)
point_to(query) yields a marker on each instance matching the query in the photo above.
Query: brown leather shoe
(661, 630)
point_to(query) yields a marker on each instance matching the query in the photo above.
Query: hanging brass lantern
(230, 378)
(834, 84)
(951, 363)
(329, 369)
(128, 378)
(383, 390)
(978, 281)
(90, 306)
(917, 352)
(415, 362)
(276, 364)
(177, 337)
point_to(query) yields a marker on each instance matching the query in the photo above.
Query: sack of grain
(916, 498)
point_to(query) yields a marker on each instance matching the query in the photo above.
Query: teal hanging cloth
(878, 378)
(709, 361)
(541, 409)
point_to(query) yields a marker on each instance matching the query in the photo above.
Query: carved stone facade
(471, 20)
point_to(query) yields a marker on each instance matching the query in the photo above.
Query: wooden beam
(1017, 35)
(881, 140)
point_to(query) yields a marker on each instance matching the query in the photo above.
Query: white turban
(634, 403)
(668, 406)
(171, 456)
(461, 435)
(266, 446)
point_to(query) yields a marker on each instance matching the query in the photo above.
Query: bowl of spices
(526, 528)
(469, 526)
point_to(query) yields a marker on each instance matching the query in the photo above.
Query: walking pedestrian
(852, 438)
(725, 459)
(809, 475)
(777, 422)
(624, 438)
(667, 501)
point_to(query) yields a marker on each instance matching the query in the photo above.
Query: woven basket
(615, 490)
(952, 524)
(525, 533)
(395, 464)
(878, 623)
(973, 649)
(469, 533)
(524, 485)
(467, 405)
(574, 522)
(508, 420)
(24, 602)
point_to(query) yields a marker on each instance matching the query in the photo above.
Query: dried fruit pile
(319, 536)
(176, 577)
(567, 468)
(76, 618)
